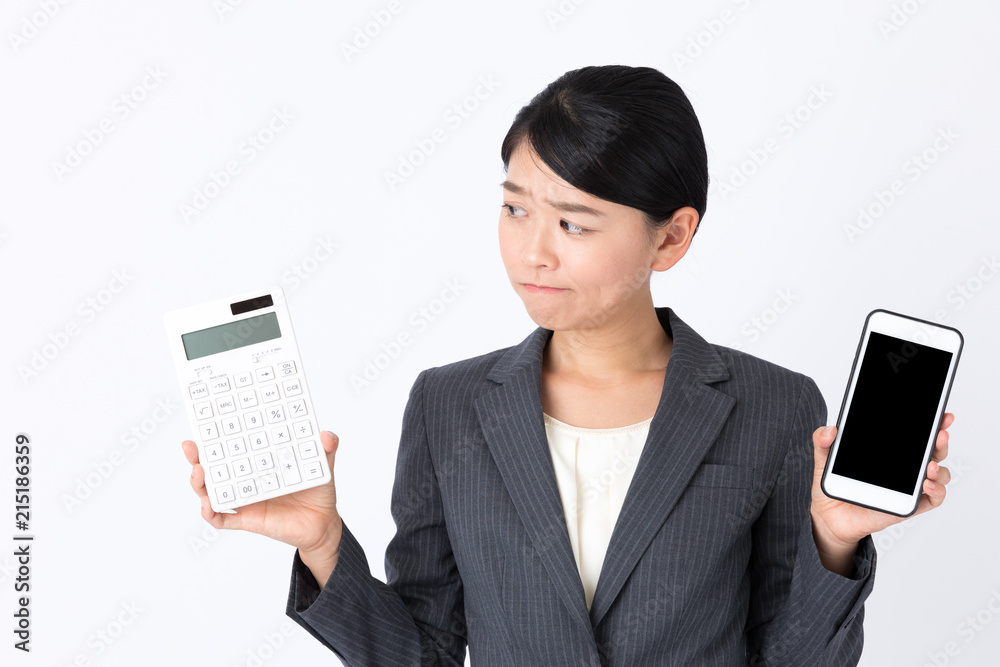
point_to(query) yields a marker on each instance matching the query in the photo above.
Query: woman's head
(606, 182)
(624, 134)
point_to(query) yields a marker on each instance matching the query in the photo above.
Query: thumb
(331, 442)
(823, 437)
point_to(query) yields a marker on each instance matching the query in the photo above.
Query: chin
(547, 318)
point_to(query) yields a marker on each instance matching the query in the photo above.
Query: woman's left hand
(838, 526)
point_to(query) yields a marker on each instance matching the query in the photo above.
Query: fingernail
(931, 486)
(827, 431)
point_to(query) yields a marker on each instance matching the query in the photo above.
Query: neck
(631, 342)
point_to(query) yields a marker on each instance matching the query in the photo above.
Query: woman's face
(597, 253)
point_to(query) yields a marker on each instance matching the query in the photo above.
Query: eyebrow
(561, 205)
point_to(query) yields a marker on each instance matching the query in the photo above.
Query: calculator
(246, 397)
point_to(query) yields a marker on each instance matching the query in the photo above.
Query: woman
(614, 490)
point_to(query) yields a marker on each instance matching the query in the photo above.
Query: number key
(209, 431)
(253, 419)
(214, 452)
(247, 488)
(258, 440)
(241, 467)
(220, 473)
(225, 494)
(263, 461)
(231, 425)
(236, 446)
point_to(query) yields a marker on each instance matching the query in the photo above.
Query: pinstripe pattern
(711, 562)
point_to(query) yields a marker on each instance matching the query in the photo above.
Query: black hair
(628, 135)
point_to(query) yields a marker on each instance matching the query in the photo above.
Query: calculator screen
(230, 336)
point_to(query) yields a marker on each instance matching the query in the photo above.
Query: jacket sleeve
(417, 616)
(800, 612)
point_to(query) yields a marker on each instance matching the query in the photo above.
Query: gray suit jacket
(712, 560)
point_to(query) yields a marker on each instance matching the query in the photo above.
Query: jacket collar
(688, 418)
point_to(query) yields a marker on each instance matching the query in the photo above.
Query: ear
(674, 238)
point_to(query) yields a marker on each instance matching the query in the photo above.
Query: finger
(938, 473)
(331, 442)
(949, 419)
(190, 451)
(217, 519)
(941, 446)
(822, 439)
(198, 480)
(935, 492)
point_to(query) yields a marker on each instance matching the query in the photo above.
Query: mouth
(531, 287)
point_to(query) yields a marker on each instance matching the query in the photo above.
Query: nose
(536, 248)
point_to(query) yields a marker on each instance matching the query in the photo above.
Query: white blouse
(594, 467)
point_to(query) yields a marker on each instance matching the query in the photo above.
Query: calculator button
(214, 452)
(302, 429)
(209, 431)
(226, 404)
(243, 380)
(286, 368)
(258, 440)
(203, 410)
(248, 399)
(253, 419)
(225, 494)
(269, 393)
(292, 387)
(220, 473)
(263, 461)
(268, 482)
(275, 414)
(297, 409)
(280, 435)
(241, 467)
(247, 488)
(308, 449)
(265, 374)
(289, 469)
(313, 470)
(231, 425)
(236, 446)
(220, 385)
(198, 391)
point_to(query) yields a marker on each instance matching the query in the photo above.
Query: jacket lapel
(510, 416)
(688, 418)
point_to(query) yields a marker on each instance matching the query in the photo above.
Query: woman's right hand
(307, 519)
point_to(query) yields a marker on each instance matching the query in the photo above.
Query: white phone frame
(913, 330)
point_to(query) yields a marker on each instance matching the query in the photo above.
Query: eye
(581, 231)
(508, 210)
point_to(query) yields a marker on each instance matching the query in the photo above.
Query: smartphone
(892, 412)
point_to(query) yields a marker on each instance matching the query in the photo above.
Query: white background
(893, 76)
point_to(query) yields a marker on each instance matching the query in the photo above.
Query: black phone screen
(891, 413)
